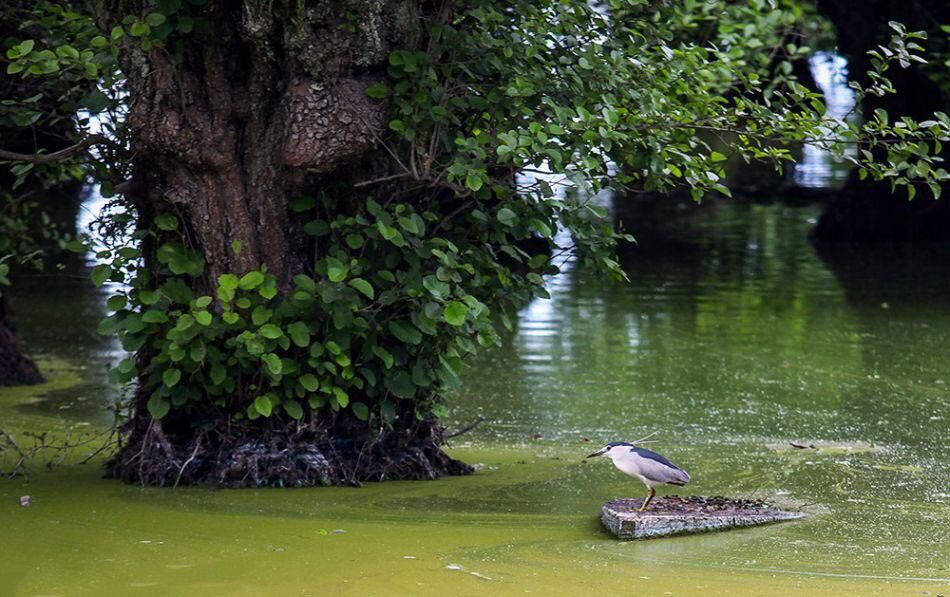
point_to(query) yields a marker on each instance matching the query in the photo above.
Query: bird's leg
(646, 502)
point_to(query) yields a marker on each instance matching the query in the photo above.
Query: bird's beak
(597, 453)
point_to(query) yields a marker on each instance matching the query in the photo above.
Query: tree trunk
(865, 210)
(15, 368)
(267, 105)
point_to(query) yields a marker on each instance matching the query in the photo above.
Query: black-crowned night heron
(646, 465)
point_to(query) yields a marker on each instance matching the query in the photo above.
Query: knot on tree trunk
(329, 122)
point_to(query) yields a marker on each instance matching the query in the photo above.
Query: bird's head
(612, 450)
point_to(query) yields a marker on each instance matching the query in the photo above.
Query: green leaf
(455, 313)
(387, 232)
(401, 385)
(354, 241)
(155, 19)
(474, 181)
(309, 382)
(171, 377)
(100, 274)
(67, 52)
(260, 315)
(409, 225)
(263, 405)
(218, 374)
(270, 331)
(227, 285)
(361, 411)
(203, 318)
(184, 323)
(154, 316)
(336, 270)
(166, 222)
(302, 204)
(299, 333)
(272, 361)
(507, 217)
(293, 408)
(387, 408)
(377, 91)
(139, 29)
(114, 303)
(364, 287)
(384, 355)
(251, 280)
(158, 407)
(405, 332)
(342, 398)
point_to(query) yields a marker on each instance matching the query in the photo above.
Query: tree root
(301, 454)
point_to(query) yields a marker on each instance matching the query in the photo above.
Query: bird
(646, 465)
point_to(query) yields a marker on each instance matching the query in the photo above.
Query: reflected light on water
(817, 169)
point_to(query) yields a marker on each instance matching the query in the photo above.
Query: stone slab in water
(674, 515)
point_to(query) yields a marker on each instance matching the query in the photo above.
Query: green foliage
(382, 320)
(516, 114)
(629, 95)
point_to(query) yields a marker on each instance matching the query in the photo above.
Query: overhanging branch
(62, 154)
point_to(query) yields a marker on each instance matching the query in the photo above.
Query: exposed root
(335, 452)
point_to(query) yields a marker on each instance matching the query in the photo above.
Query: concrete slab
(674, 515)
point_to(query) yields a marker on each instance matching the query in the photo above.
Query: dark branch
(62, 154)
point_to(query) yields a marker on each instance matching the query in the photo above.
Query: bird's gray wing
(660, 469)
(651, 455)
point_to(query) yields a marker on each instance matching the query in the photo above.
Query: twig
(190, 458)
(366, 183)
(477, 422)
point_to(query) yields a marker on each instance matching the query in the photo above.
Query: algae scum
(734, 339)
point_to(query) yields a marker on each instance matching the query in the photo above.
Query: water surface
(733, 339)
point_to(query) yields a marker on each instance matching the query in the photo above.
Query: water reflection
(817, 169)
(733, 339)
(57, 313)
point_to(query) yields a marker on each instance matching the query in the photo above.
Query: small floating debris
(674, 515)
(802, 446)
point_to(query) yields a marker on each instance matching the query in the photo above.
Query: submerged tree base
(674, 515)
(337, 452)
(16, 369)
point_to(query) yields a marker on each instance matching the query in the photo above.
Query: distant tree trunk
(268, 105)
(866, 210)
(15, 368)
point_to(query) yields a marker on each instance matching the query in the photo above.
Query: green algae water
(734, 339)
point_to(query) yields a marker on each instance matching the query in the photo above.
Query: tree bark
(865, 210)
(268, 105)
(15, 368)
